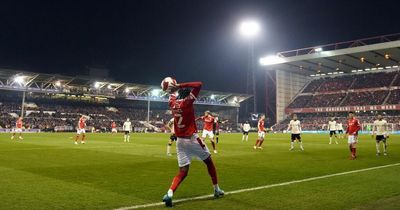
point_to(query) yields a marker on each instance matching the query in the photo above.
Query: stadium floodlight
(395, 67)
(19, 79)
(126, 90)
(388, 67)
(367, 69)
(97, 84)
(212, 97)
(109, 86)
(359, 70)
(249, 28)
(271, 60)
(312, 75)
(353, 71)
(341, 72)
(318, 49)
(58, 84)
(155, 92)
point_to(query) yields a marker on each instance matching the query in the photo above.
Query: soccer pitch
(47, 171)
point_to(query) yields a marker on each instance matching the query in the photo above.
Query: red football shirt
(183, 110)
(113, 125)
(208, 122)
(18, 124)
(261, 125)
(82, 123)
(353, 126)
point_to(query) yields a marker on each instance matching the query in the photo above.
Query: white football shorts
(261, 134)
(18, 130)
(80, 131)
(207, 133)
(352, 139)
(187, 148)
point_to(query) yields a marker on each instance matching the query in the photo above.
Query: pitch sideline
(261, 187)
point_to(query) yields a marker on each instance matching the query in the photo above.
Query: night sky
(144, 41)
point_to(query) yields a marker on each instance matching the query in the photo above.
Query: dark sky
(144, 41)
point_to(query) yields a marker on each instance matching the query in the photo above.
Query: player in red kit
(353, 126)
(81, 129)
(261, 133)
(188, 143)
(18, 128)
(113, 127)
(208, 124)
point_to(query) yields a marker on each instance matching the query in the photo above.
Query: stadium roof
(53, 83)
(376, 53)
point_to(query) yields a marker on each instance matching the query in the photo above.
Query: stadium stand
(349, 90)
(381, 88)
(47, 113)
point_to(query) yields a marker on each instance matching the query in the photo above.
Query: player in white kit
(381, 132)
(127, 127)
(295, 128)
(332, 130)
(339, 128)
(246, 129)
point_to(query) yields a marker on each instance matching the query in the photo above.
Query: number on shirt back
(179, 120)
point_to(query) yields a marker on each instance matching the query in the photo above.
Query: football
(167, 83)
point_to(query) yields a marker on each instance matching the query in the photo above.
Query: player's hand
(173, 88)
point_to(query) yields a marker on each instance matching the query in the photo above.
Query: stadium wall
(288, 85)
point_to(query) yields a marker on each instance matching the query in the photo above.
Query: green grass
(47, 171)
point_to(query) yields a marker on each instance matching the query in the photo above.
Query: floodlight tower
(250, 29)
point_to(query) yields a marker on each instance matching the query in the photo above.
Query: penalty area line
(203, 197)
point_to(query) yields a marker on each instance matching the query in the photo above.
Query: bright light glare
(249, 28)
(19, 79)
(155, 92)
(126, 90)
(318, 49)
(109, 86)
(58, 83)
(212, 97)
(97, 84)
(271, 60)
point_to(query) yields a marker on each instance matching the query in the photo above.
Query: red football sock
(258, 141)
(213, 144)
(178, 179)
(83, 137)
(212, 171)
(261, 142)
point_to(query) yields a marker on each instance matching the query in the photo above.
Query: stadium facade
(325, 79)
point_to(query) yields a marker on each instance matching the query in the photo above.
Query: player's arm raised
(195, 85)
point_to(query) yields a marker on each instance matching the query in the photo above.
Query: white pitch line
(260, 187)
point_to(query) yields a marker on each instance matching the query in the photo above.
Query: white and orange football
(168, 83)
